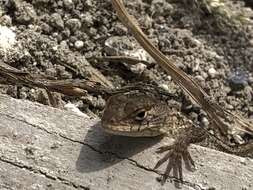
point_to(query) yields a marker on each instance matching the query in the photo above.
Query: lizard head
(135, 113)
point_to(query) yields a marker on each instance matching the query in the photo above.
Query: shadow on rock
(102, 150)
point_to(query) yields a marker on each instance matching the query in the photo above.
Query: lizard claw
(177, 153)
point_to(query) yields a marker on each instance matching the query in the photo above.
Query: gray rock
(25, 13)
(62, 150)
(238, 79)
(56, 21)
(73, 24)
(68, 4)
(79, 44)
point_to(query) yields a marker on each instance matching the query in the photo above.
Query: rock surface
(46, 148)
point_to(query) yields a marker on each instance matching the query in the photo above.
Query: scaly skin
(144, 112)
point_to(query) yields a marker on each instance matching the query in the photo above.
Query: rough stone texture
(46, 148)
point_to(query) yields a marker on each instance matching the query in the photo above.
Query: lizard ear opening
(141, 115)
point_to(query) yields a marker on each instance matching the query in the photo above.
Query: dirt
(57, 38)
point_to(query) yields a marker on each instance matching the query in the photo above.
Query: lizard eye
(141, 115)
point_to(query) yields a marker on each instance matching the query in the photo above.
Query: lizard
(143, 111)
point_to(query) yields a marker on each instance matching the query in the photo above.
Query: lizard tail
(237, 149)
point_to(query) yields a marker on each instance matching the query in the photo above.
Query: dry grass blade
(67, 87)
(126, 59)
(220, 119)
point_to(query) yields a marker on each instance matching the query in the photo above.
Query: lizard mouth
(130, 132)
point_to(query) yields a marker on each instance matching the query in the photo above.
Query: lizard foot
(176, 154)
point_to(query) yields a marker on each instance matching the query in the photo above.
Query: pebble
(26, 13)
(73, 39)
(251, 42)
(45, 28)
(73, 24)
(248, 93)
(51, 72)
(204, 75)
(79, 44)
(7, 38)
(100, 103)
(68, 4)
(87, 19)
(62, 72)
(89, 3)
(193, 116)
(140, 54)
(164, 87)
(6, 20)
(138, 68)
(63, 45)
(229, 107)
(205, 121)
(238, 80)
(199, 78)
(196, 42)
(23, 94)
(250, 80)
(161, 7)
(196, 65)
(56, 21)
(212, 72)
(55, 48)
(66, 33)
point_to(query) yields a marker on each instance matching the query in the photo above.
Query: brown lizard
(142, 111)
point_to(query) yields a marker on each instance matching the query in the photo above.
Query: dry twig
(67, 87)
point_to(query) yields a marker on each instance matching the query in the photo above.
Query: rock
(7, 38)
(164, 87)
(161, 8)
(68, 4)
(248, 93)
(73, 24)
(25, 13)
(204, 121)
(169, 78)
(79, 44)
(193, 116)
(238, 80)
(68, 147)
(87, 19)
(6, 20)
(204, 74)
(199, 78)
(138, 68)
(56, 21)
(212, 72)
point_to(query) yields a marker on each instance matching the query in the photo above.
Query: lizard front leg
(178, 152)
